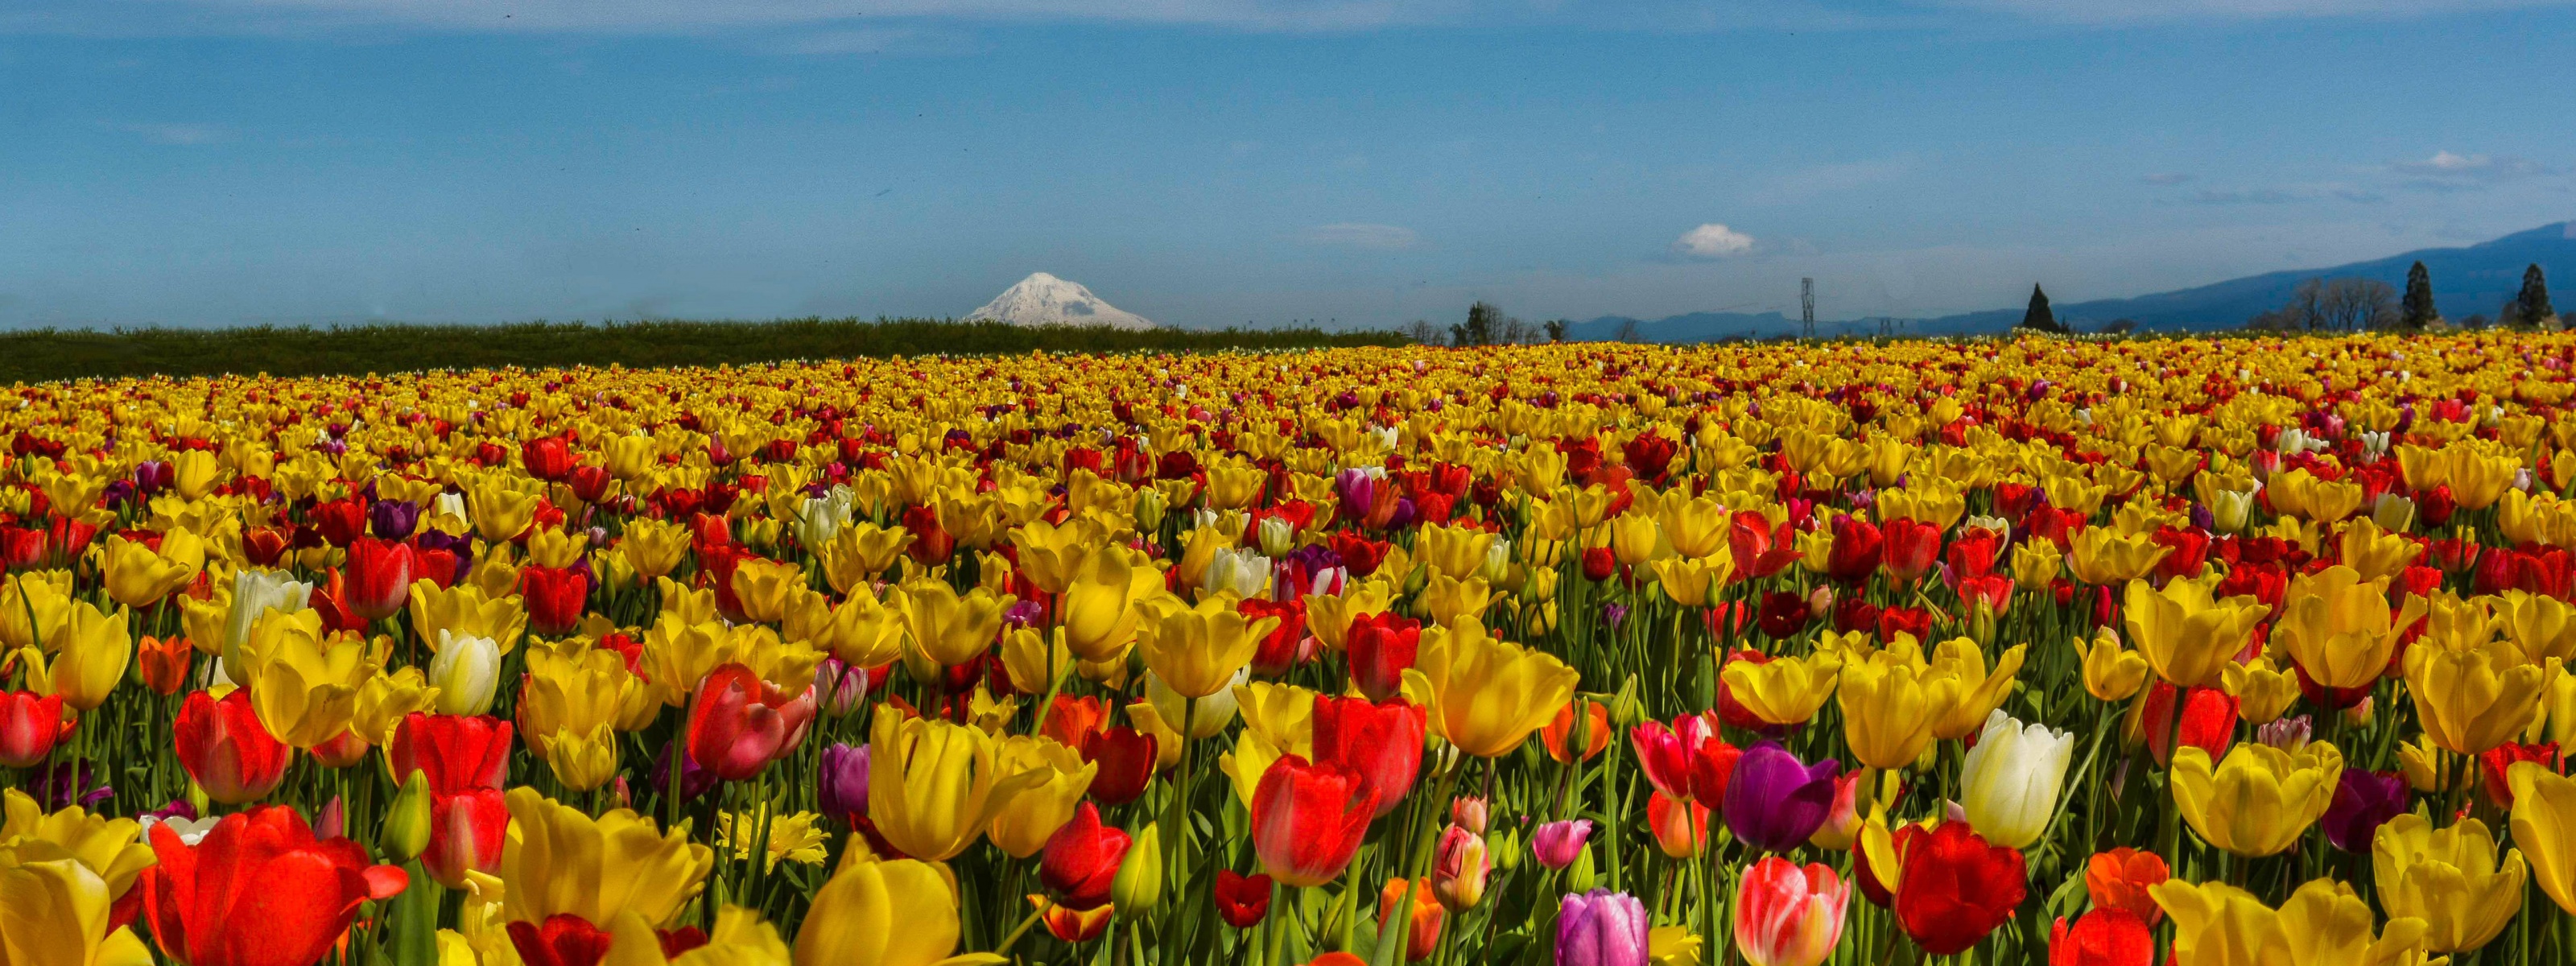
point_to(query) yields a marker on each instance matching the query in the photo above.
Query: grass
(40, 355)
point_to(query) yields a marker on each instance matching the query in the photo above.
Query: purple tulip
(1558, 844)
(694, 780)
(2363, 800)
(842, 788)
(153, 476)
(1775, 802)
(393, 519)
(1601, 928)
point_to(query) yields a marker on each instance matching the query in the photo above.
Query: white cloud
(2445, 164)
(1713, 240)
(1361, 235)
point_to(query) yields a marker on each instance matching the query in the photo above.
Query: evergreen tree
(2532, 306)
(2417, 310)
(2039, 318)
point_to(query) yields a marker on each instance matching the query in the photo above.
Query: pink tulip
(1788, 916)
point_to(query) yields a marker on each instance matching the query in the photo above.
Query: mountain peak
(1045, 300)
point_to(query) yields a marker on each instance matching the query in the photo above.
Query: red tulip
(547, 459)
(1665, 752)
(590, 482)
(1380, 742)
(465, 834)
(341, 522)
(2500, 759)
(1382, 647)
(1909, 549)
(1712, 767)
(1955, 888)
(2208, 721)
(743, 723)
(378, 578)
(29, 727)
(556, 598)
(1858, 545)
(1358, 554)
(1082, 858)
(1599, 563)
(458, 753)
(931, 545)
(1126, 758)
(1279, 651)
(225, 748)
(1760, 549)
(1973, 554)
(2104, 937)
(1242, 900)
(1308, 819)
(259, 890)
(564, 940)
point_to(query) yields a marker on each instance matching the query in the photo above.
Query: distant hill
(2473, 280)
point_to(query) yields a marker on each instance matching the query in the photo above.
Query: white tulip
(467, 672)
(2011, 780)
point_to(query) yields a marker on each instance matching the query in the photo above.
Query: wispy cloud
(1362, 235)
(920, 41)
(2243, 196)
(1713, 240)
(2166, 178)
(179, 134)
(2151, 11)
(2471, 167)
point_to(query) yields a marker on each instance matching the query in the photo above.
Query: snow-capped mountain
(1043, 299)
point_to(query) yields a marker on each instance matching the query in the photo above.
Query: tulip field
(2209, 652)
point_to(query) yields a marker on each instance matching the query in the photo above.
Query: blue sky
(1213, 162)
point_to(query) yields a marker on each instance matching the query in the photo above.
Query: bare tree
(1422, 332)
(2356, 304)
(1629, 332)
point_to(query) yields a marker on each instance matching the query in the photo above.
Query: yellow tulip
(1251, 758)
(1284, 714)
(934, 787)
(1891, 699)
(2263, 692)
(1235, 486)
(1024, 824)
(2377, 553)
(1486, 695)
(56, 912)
(861, 553)
(2544, 825)
(139, 576)
(2258, 799)
(762, 586)
(2540, 626)
(2477, 480)
(32, 604)
(1196, 650)
(2471, 699)
(2110, 673)
(653, 547)
(1035, 660)
(1635, 538)
(740, 938)
(1695, 526)
(1784, 690)
(582, 761)
(561, 861)
(557, 547)
(2323, 924)
(92, 651)
(2448, 877)
(500, 513)
(2184, 631)
(467, 611)
(2100, 556)
(577, 692)
(193, 473)
(2035, 565)
(2336, 625)
(1693, 581)
(1052, 555)
(946, 627)
(303, 682)
(1447, 600)
(1101, 607)
(1980, 692)
(1329, 617)
(106, 846)
(1456, 551)
(889, 913)
(386, 699)
(866, 633)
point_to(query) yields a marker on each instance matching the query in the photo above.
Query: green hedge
(38, 355)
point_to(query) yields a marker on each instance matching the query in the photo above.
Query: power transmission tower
(1807, 307)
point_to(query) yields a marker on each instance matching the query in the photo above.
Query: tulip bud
(1139, 884)
(1459, 867)
(1504, 845)
(1469, 811)
(407, 821)
(1149, 509)
(1626, 710)
(1579, 876)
